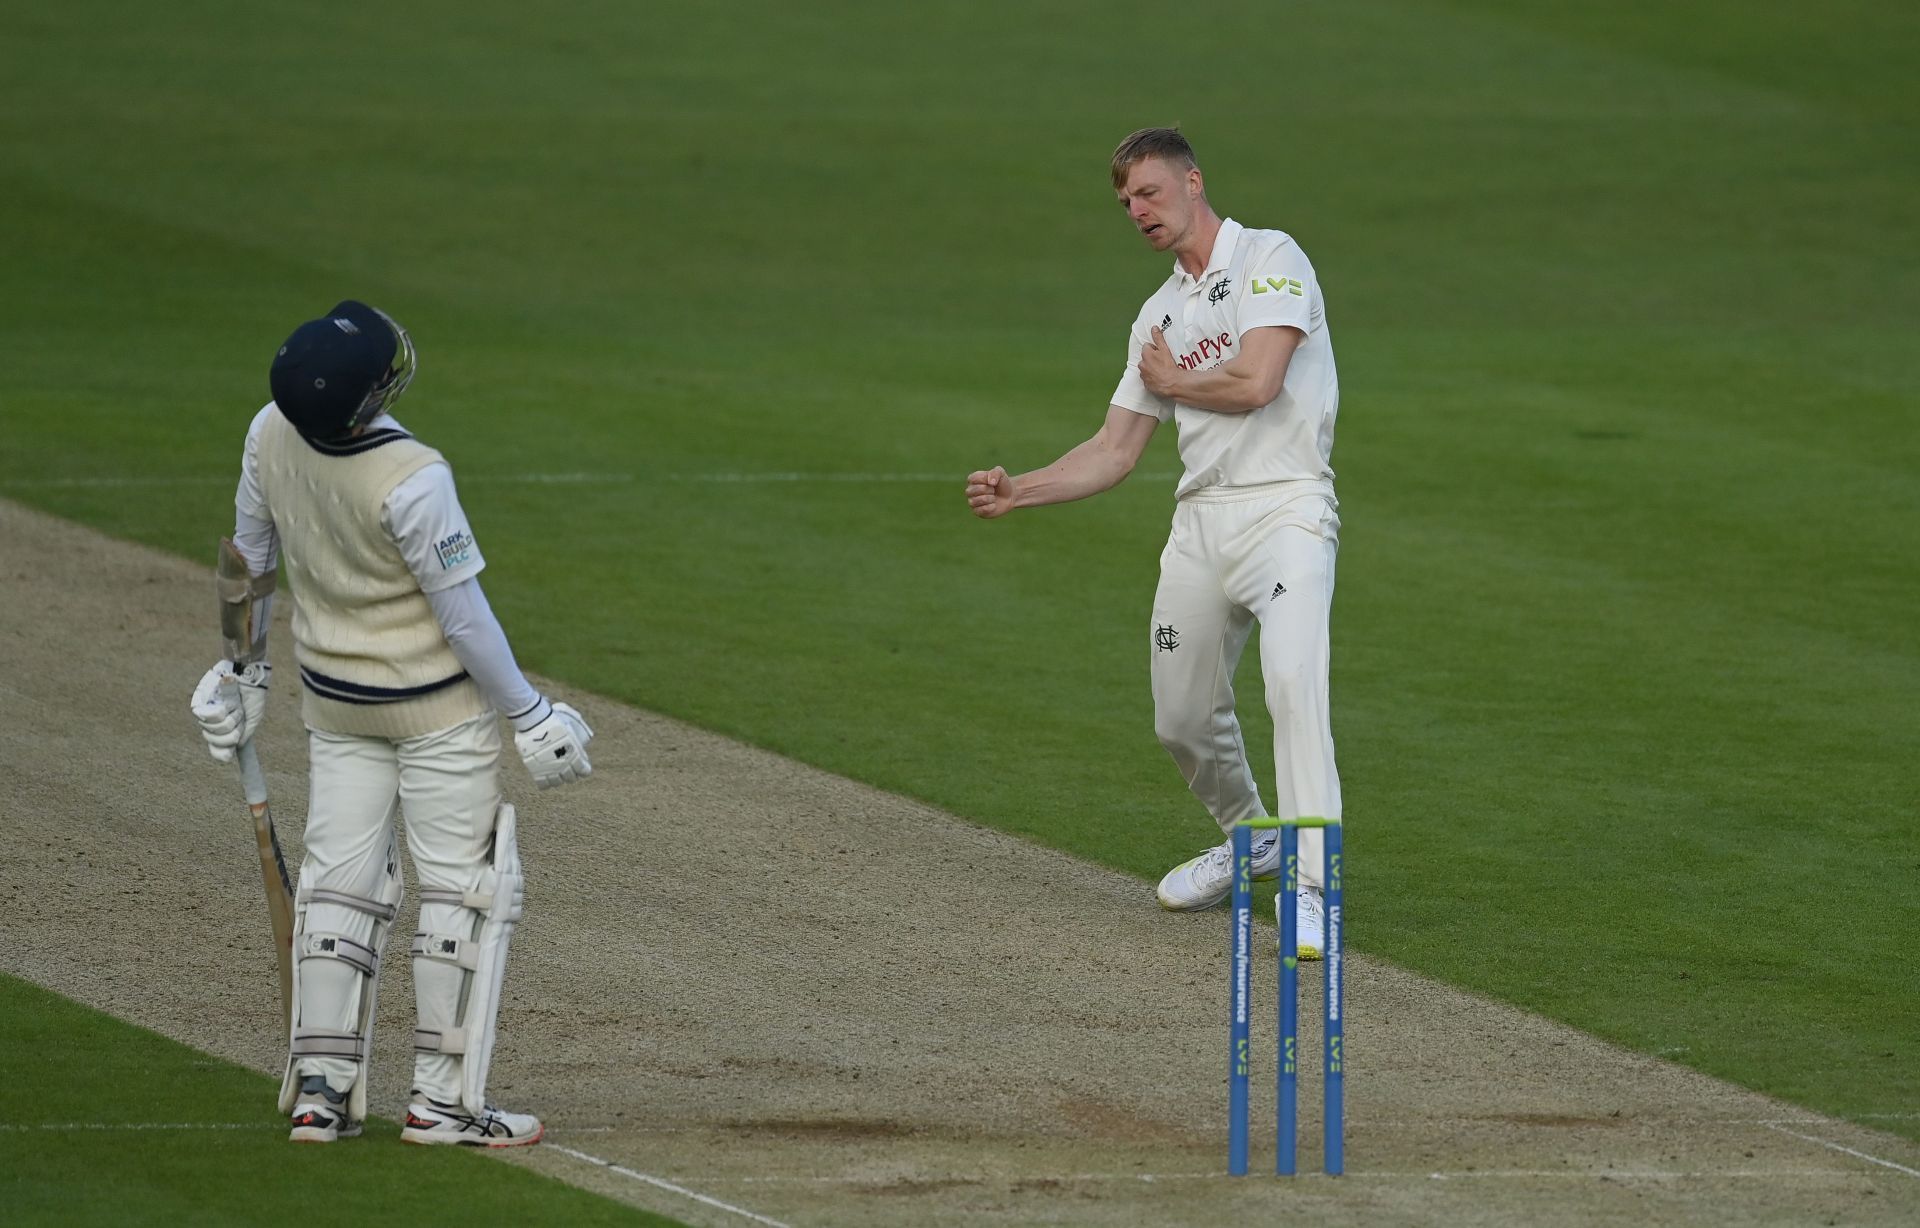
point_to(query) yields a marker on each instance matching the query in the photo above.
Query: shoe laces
(1219, 861)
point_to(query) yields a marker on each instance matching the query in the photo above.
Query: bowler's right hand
(990, 492)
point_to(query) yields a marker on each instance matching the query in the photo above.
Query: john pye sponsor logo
(1210, 351)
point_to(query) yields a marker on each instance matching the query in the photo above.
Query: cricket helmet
(337, 373)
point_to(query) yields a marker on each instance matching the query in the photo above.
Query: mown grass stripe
(75, 1083)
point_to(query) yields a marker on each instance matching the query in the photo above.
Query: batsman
(404, 675)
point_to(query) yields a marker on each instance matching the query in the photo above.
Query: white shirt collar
(1221, 256)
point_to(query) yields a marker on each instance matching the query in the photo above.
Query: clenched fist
(990, 492)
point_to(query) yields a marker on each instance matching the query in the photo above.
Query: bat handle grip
(253, 782)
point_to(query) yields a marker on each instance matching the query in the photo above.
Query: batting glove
(230, 704)
(555, 750)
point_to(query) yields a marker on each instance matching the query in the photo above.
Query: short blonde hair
(1164, 143)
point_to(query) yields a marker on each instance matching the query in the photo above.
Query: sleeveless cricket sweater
(373, 660)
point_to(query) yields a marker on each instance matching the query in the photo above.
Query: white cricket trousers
(447, 785)
(1264, 555)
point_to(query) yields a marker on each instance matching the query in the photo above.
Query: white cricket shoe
(429, 1121)
(318, 1115)
(1310, 921)
(1208, 878)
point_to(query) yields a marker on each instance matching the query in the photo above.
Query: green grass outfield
(1625, 305)
(102, 1122)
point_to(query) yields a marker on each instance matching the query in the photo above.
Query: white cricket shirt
(1253, 279)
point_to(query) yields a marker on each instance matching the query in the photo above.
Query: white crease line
(987, 1179)
(71, 483)
(1861, 1155)
(11, 1128)
(552, 479)
(957, 478)
(1062, 1178)
(1019, 1179)
(530, 479)
(661, 1183)
(1623, 1122)
(1623, 1174)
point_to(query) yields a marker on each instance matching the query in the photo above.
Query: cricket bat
(273, 871)
(240, 591)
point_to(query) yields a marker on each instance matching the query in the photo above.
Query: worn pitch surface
(813, 1003)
